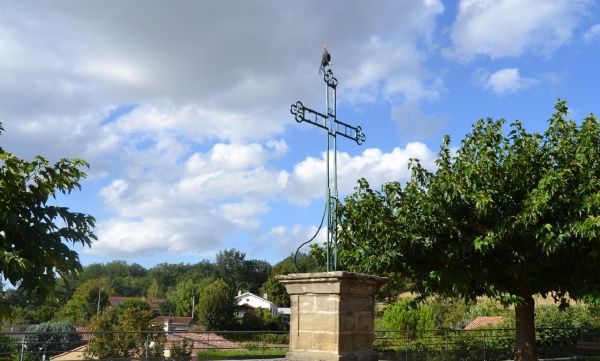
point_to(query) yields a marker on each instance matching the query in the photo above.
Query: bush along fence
(486, 344)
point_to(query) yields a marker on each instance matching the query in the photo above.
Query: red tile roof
(85, 335)
(482, 321)
(177, 320)
(201, 341)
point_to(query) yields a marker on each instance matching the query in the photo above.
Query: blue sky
(182, 108)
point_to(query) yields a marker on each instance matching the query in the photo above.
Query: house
(481, 321)
(174, 324)
(74, 354)
(248, 302)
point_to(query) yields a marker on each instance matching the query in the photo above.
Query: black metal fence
(431, 345)
(485, 344)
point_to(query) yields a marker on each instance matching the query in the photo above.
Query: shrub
(52, 338)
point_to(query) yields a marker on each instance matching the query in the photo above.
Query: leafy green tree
(507, 216)
(114, 339)
(261, 319)
(274, 289)
(51, 338)
(166, 308)
(407, 315)
(216, 306)
(9, 346)
(32, 308)
(89, 298)
(168, 276)
(239, 273)
(182, 350)
(201, 270)
(142, 305)
(127, 280)
(154, 290)
(185, 298)
(451, 312)
(34, 235)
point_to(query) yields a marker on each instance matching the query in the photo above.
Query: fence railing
(430, 345)
(487, 344)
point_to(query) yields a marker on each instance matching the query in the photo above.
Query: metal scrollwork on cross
(334, 128)
(298, 111)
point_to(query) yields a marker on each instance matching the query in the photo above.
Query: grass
(215, 354)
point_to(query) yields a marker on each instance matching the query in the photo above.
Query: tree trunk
(525, 346)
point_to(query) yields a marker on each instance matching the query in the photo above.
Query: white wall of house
(255, 301)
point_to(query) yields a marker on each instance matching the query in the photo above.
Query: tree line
(80, 296)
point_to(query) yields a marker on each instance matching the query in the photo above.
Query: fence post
(147, 345)
(552, 343)
(406, 344)
(483, 339)
(207, 344)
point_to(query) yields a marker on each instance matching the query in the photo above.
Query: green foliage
(184, 298)
(166, 308)
(29, 307)
(216, 306)
(257, 353)
(507, 216)
(451, 312)
(390, 292)
(76, 298)
(121, 342)
(89, 298)
(407, 315)
(142, 305)
(32, 232)
(262, 320)
(154, 290)
(9, 346)
(182, 350)
(239, 273)
(292, 264)
(51, 338)
(168, 276)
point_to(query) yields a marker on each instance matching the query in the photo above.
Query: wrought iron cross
(334, 127)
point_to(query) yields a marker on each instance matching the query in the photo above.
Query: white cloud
(503, 81)
(307, 182)
(592, 35)
(203, 149)
(391, 70)
(227, 189)
(509, 28)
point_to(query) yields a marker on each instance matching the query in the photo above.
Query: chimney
(239, 292)
(168, 325)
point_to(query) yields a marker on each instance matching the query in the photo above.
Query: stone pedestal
(332, 316)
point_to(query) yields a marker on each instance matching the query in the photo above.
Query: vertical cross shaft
(333, 126)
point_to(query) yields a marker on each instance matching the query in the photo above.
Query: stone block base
(331, 316)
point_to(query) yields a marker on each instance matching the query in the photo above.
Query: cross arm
(350, 132)
(299, 111)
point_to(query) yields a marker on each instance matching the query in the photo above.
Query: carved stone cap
(332, 282)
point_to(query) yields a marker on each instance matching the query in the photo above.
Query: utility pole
(99, 289)
(334, 127)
